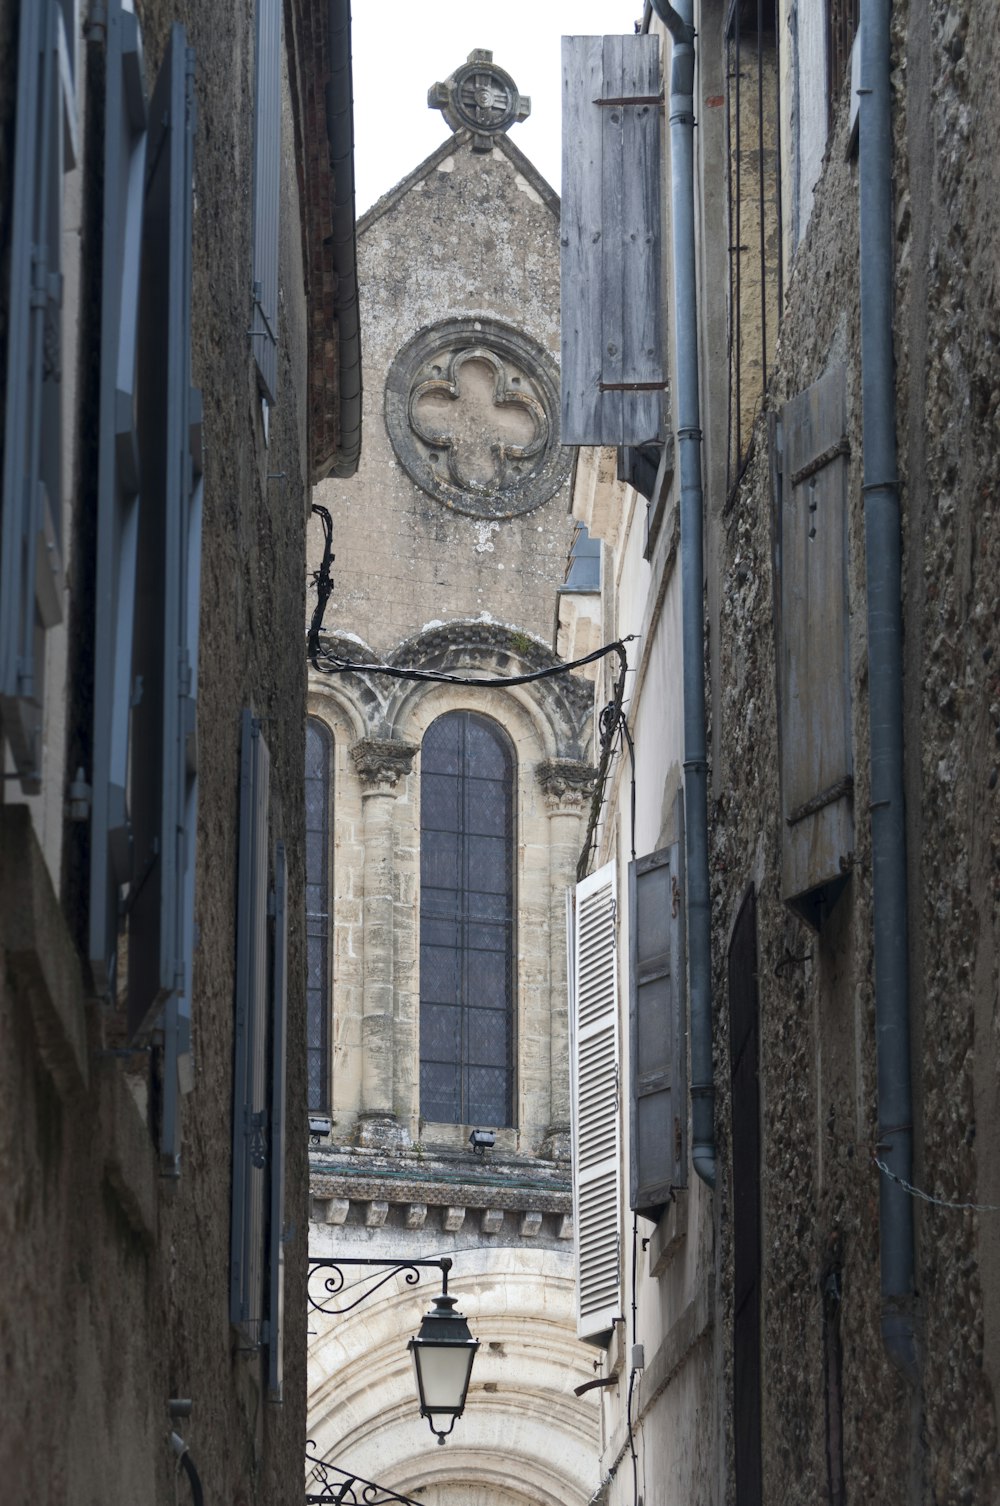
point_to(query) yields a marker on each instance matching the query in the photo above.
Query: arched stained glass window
(466, 922)
(319, 747)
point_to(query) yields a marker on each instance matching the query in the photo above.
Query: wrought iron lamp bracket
(335, 1284)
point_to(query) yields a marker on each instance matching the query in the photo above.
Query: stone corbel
(381, 762)
(567, 783)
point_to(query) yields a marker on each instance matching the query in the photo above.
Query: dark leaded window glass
(319, 746)
(466, 922)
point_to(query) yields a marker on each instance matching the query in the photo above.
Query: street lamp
(442, 1355)
(443, 1350)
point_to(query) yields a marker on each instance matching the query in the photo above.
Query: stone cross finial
(481, 98)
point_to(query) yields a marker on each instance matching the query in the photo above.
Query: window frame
(465, 1107)
(324, 921)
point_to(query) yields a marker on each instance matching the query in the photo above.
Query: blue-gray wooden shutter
(125, 119)
(178, 1063)
(657, 1098)
(250, 1139)
(613, 375)
(163, 668)
(266, 195)
(815, 703)
(31, 574)
(594, 1103)
(276, 1305)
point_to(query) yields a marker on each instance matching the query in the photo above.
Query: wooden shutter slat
(595, 1103)
(31, 581)
(279, 1041)
(816, 756)
(117, 483)
(161, 655)
(267, 190)
(657, 1031)
(250, 1056)
(612, 347)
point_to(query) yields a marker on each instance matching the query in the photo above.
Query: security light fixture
(442, 1355)
(482, 1140)
(319, 1125)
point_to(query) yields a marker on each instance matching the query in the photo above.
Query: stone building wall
(817, 1065)
(838, 1422)
(115, 1290)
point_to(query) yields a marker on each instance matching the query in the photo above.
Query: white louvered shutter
(595, 1104)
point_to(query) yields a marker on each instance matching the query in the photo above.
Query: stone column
(567, 785)
(380, 763)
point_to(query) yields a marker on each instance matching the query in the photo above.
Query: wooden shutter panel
(267, 195)
(613, 376)
(815, 706)
(163, 670)
(178, 1064)
(250, 1144)
(117, 483)
(31, 578)
(657, 1097)
(275, 1345)
(595, 1105)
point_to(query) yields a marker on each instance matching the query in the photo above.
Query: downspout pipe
(340, 138)
(885, 692)
(679, 23)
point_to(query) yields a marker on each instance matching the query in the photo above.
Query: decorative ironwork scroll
(328, 1281)
(329, 1485)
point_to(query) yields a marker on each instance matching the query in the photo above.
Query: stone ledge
(399, 1192)
(130, 1162)
(40, 955)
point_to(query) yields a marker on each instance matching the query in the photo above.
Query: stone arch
(522, 1422)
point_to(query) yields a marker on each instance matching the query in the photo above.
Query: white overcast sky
(401, 47)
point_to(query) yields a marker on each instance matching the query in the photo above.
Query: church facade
(445, 816)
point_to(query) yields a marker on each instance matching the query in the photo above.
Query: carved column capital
(567, 784)
(381, 762)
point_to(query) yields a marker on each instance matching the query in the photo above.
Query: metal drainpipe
(679, 23)
(885, 690)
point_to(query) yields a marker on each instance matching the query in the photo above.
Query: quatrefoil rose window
(472, 412)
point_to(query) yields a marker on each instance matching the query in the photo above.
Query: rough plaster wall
(103, 1324)
(817, 1014)
(472, 237)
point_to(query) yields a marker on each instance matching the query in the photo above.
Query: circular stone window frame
(437, 345)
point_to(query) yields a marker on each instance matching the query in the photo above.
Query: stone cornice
(398, 1191)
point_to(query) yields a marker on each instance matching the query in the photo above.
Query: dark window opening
(842, 19)
(466, 922)
(753, 191)
(319, 747)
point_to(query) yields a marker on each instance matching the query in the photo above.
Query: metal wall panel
(613, 376)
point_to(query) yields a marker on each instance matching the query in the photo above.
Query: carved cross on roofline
(481, 98)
